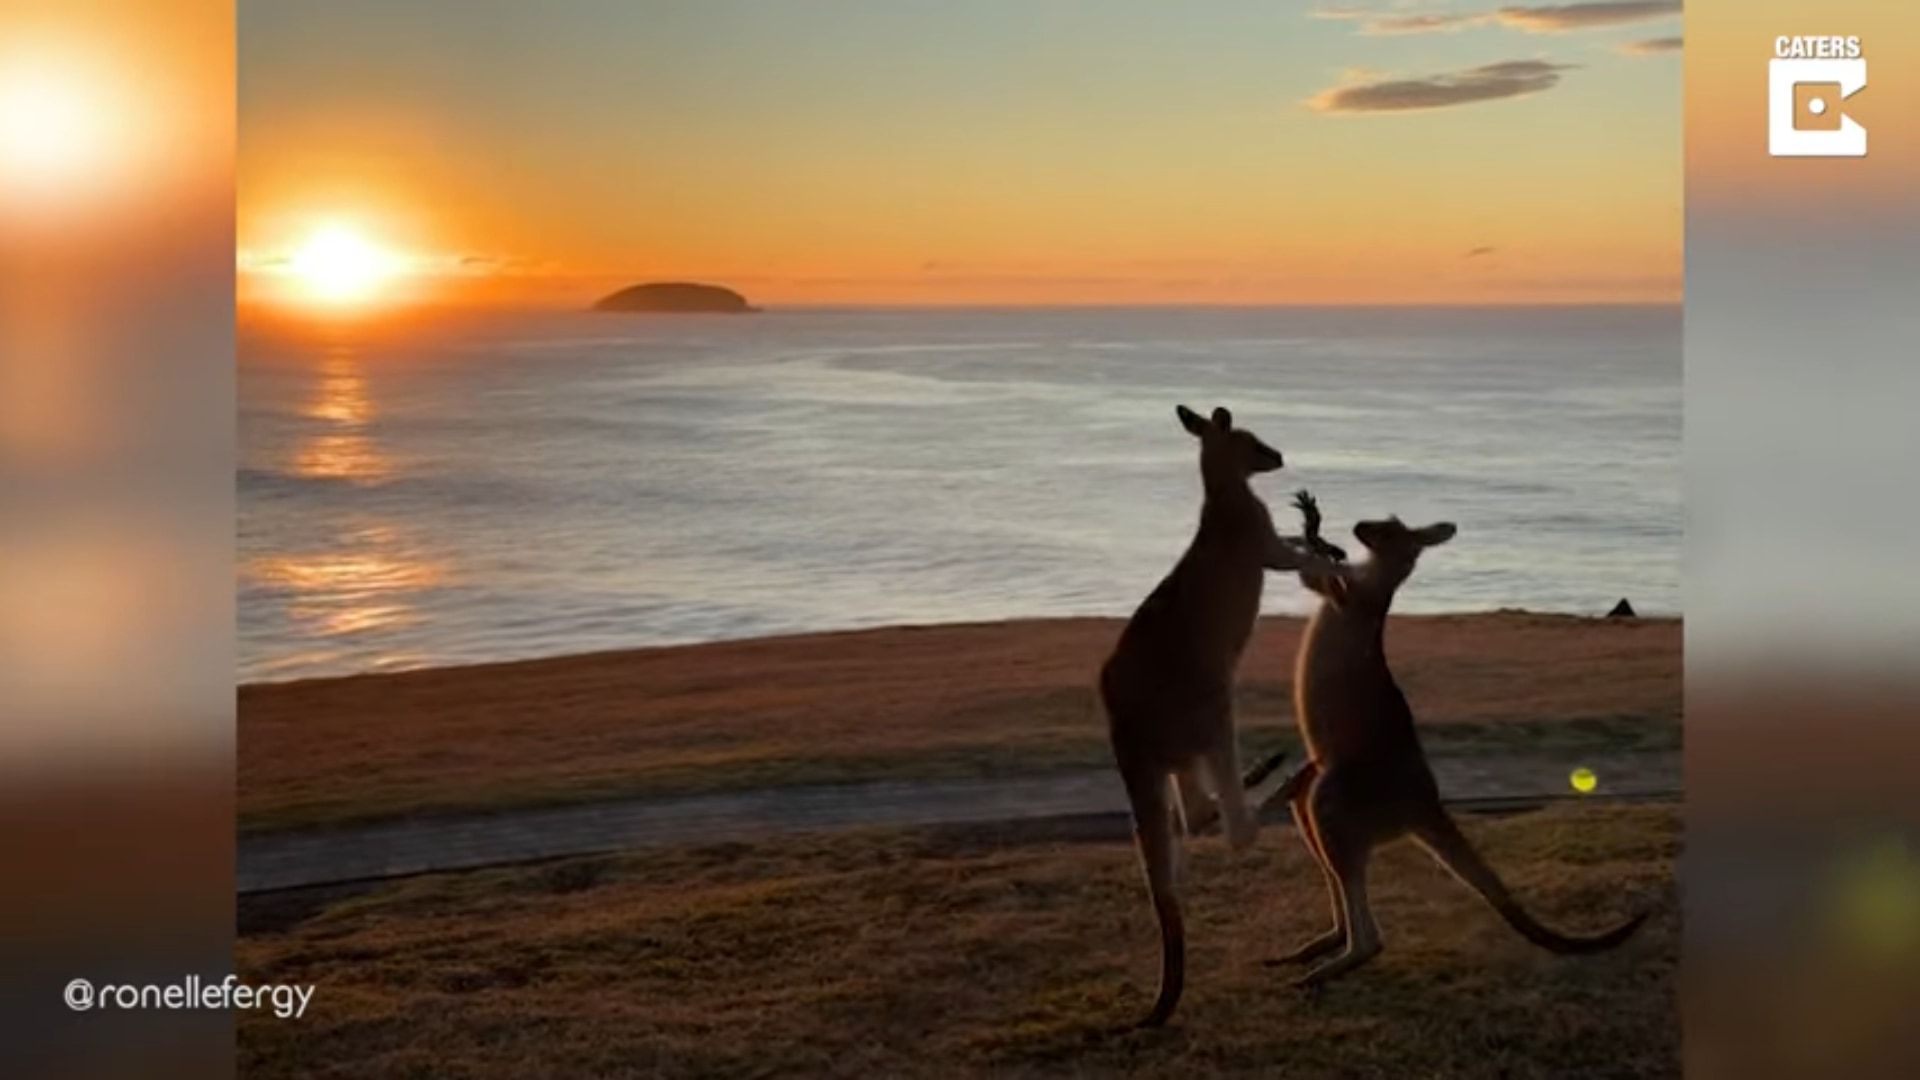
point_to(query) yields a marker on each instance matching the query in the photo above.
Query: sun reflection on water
(369, 587)
(368, 580)
(345, 450)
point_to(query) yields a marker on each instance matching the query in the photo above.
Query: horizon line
(262, 306)
(1208, 304)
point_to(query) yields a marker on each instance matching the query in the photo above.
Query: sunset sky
(920, 152)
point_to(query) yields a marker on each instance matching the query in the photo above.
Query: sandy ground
(968, 952)
(907, 702)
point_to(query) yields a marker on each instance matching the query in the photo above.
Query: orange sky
(855, 151)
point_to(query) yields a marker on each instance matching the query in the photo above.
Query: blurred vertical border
(1802, 871)
(116, 526)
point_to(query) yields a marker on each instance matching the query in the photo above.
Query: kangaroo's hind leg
(1335, 939)
(1198, 823)
(1193, 813)
(1346, 840)
(1221, 765)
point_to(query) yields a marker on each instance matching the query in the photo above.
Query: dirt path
(283, 860)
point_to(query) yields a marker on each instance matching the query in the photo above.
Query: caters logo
(1809, 81)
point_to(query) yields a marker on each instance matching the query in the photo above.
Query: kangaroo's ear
(1195, 424)
(1435, 535)
(1223, 419)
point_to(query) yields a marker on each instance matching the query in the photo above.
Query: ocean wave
(271, 482)
(858, 470)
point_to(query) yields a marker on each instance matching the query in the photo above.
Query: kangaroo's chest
(1226, 566)
(1223, 601)
(1338, 677)
(1187, 638)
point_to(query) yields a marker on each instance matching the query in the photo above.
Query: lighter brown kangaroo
(1167, 689)
(1366, 781)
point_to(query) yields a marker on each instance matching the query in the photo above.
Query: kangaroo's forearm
(1289, 554)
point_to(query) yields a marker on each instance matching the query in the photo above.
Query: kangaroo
(1167, 688)
(1366, 781)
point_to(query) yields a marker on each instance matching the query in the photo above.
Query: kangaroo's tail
(1444, 840)
(1157, 837)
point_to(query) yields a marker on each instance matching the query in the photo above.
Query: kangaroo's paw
(1340, 965)
(1331, 941)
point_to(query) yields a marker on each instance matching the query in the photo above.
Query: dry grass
(954, 953)
(907, 702)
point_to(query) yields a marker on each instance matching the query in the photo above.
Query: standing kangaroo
(1366, 781)
(1167, 689)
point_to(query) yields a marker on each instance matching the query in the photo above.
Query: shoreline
(916, 703)
(1013, 622)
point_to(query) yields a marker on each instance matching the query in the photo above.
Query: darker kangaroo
(1167, 689)
(1366, 781)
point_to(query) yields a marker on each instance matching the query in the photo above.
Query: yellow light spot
(1583, 780)
(1877, 901)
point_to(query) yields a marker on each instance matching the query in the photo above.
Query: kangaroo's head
(1228, 455)
(1396, 547)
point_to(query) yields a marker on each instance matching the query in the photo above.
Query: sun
(338, 265)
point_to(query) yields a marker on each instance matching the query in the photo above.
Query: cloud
(1430, 23)
(1556, 18)
(1475, 253)
(476, 264)
(1491, 82)
(465, 264)
(1532, 19)
(1404, 22)
(1651, 46)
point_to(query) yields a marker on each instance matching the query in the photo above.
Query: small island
(676, 297)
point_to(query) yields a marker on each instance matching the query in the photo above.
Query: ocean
(493, 486)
